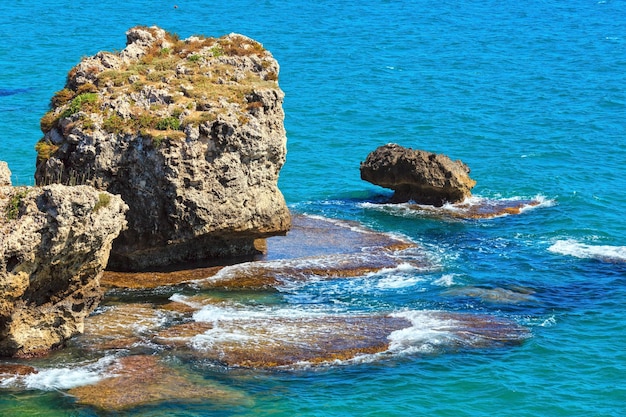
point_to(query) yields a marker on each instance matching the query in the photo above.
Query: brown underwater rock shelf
(153, 330)
(146, 379)
(279, 341)
(283, 341)
(120, 326)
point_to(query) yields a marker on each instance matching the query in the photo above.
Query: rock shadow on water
(13, 91)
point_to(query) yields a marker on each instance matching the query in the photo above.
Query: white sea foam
(251, 326)
(218, 335)
(426, 333)
(62, 377)
(411, 209)
(446, 280)
(478, 201)
(353, 226)
(179, 298)
(216, 314)
(581, 250)
(549, 322)
(400, 277)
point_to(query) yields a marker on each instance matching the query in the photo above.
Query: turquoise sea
(530, 94)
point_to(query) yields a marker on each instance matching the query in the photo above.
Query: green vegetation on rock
(12, 209)
(104, 200)
(173, 84)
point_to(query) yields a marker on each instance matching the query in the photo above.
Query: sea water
(531, 95)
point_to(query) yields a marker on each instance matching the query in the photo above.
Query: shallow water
(529, 95)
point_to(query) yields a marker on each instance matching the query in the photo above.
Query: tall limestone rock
(189, 132)
(54, 244)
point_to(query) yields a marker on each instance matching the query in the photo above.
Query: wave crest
(606, 253)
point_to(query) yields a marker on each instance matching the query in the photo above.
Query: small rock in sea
(419, 176)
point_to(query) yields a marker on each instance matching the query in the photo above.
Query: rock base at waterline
(314, 247)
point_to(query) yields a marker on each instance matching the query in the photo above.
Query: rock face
(5, 174)
(423, 177)
(189, 132)
(54, 244)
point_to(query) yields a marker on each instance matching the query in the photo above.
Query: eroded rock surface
(5, 174)
(189, 132)
(54, 244)
(420, 176)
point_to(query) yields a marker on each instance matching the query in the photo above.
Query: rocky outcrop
(189, 132)
(54, 244)
(423, 177)
(5, 174)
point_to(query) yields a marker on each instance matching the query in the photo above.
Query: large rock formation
(54, 244)
(189, 132)
(423, 177)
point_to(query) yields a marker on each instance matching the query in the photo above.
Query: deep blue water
(531, 95)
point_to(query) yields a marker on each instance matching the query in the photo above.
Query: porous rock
(189, 132)
(5, 174)
(420, 176)
(54, 244)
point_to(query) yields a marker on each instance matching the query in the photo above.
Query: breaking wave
(474, 207)
(574, 248)
(61, 378)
